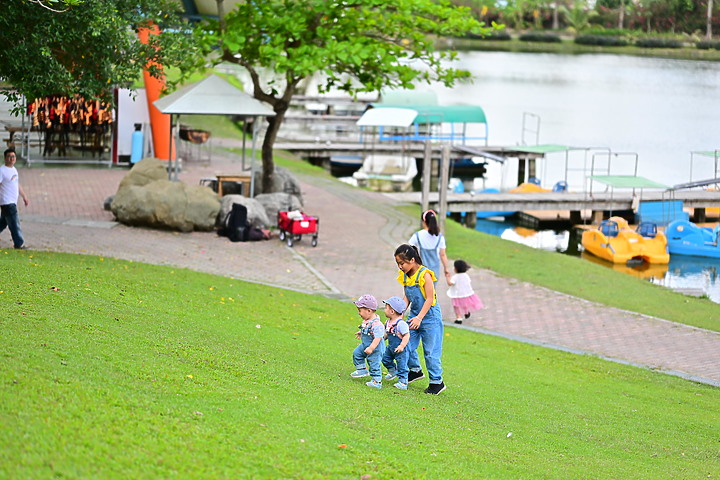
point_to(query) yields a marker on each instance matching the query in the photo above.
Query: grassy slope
(114, 369)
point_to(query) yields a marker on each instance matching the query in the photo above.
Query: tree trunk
(621, 15)
(268, 163)
(556, 20)
(708, 30)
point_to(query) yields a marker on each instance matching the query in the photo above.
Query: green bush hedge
(539, 37)
(493, 36)
(600, 40)
(658, 43)
(708, 45)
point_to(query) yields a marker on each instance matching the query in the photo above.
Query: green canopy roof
(442, 113)
(627, 181)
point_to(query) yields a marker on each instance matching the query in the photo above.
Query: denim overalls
(396, 363)
(431, 328)
(373, 360)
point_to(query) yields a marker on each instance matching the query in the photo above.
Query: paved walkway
(358, 232)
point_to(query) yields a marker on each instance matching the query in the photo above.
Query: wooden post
(443, 186)
(427, 166)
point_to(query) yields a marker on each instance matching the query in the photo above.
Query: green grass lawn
(115, 369)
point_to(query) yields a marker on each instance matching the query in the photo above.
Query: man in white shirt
(9, 190)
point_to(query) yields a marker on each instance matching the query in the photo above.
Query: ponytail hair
(408, 252)
(429, 217)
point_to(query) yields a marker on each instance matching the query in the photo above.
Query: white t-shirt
(426, 240)
(462, 286)
(9, 185)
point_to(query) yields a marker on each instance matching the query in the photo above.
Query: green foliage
(707, 45)
(602, 40)
(658, 43)
(115, 369)
(578, 17)
(88, 49)
(539, 37)
(365, 46)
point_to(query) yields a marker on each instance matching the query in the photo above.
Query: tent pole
(252, 158)
(170, 165)
(243, 145)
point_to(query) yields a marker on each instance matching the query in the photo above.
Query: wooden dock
(575, 203)
(327, 149)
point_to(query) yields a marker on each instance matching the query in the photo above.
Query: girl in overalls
(424, 319)
(372, 346)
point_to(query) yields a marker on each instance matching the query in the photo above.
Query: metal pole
(427, 166)
(243, 143)
(443, 185)
(170, 163)
(252, 159)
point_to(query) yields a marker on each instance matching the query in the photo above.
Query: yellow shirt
(417, 279)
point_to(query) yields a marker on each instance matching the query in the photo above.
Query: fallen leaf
(55, 288)
(342, 445)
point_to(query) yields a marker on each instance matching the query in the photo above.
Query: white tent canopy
(215, 96)
(212, 96)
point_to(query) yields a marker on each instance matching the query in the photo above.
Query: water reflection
(691, 275)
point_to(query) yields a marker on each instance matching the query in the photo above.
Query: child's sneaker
(401, 386)
(391, 376)
(360, 374)
(412, 376)
(374, 384)
(435, 388)
(467, 315)
(458, 321)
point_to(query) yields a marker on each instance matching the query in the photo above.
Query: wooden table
(243, 179)
(13, 130)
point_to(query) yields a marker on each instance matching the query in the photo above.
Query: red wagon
(294, 224)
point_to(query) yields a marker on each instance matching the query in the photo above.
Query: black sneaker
(435, 388)
(458, 322)
(412, 376)
(467, 315)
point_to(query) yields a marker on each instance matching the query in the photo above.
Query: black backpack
(236, 226)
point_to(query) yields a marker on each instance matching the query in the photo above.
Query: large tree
(86, 47)
(355, 45)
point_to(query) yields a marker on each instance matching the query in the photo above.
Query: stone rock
(143, 172)
(274, 202)
(164, 204)
(256, 212)
(107, 204)
(282, 181)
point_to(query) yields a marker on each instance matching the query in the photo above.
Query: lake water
(660, 110)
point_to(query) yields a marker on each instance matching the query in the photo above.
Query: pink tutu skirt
(466, 305)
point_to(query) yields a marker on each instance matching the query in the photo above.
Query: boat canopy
(439, 123)
(627, 181)
(435, 114)
(388, 117)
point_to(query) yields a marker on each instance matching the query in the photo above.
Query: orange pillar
(159, 122)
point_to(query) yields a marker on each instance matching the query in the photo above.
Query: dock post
(443, 187)
(575, 217)
(427, 162)
(699, 215)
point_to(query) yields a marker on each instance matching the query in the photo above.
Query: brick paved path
(358, 233)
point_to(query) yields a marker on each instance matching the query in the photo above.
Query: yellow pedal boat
(616, 242)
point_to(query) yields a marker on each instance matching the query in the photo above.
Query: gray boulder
(256, 212)
(282, 181)
(144, 200)
(274, 202)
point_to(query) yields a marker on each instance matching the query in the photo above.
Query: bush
(539, 37)
(503, 36)
(658, 43)
(708, 45)
(600, 40)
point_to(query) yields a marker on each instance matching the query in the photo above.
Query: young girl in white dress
(464, 300)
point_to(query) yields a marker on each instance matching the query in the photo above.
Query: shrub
(502, 35)
(708, 45)
(539, 37)
(600, 40)
(658, 43)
